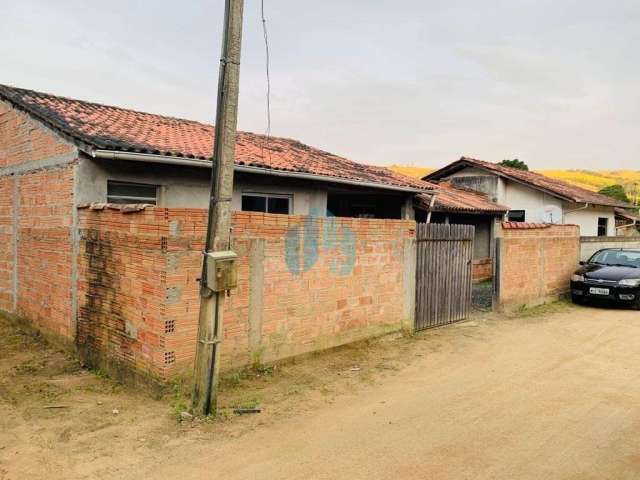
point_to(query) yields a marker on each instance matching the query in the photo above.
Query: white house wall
(518, 196)
(479, 180)
(532, 201)
(587, 219)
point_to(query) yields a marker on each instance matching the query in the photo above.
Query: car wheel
(636, 304)
(577, 300)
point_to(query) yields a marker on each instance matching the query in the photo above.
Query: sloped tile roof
(535, 180)
(104, 127)
(452, 199)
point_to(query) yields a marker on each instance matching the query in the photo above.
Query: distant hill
(590, 179)
(417, 172)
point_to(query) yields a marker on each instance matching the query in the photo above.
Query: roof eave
(468, 212)
(64, 133)
(438, 174)
(193, 162)
(464, 163)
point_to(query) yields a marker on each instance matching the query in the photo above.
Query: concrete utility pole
(218, 266)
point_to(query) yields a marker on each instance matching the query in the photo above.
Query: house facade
(627, 223)
(126, 156)
(57, 154)
(534, 198)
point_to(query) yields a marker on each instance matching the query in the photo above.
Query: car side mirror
(582, 262)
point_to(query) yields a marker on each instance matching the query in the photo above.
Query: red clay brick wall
(324, 282)
(482, 269)
(36, 224)
(7, 234)
(123, 287)
(45, 253)
(24, 140)
(536, 263)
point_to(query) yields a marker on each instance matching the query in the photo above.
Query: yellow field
(595, 180)
(417, 172)
(589, 179)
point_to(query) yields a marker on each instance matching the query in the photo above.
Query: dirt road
(554, 396)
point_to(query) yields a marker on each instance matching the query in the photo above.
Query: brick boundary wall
(482, 269)
(590, 245)
(37, 225)
(536, 262)
(7, 243)
(305, 284)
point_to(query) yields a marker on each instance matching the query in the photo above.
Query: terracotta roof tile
(452, 199)
(105, 127)
(536, 180)
(524, 225)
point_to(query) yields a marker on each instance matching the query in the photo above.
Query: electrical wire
(268, 75)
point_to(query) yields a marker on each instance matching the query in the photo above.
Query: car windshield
(618, 258)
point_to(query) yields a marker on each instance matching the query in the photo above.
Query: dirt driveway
(552, 396)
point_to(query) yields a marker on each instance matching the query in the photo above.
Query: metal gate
(444, 267)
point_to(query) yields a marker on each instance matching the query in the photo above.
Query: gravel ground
(482, 295)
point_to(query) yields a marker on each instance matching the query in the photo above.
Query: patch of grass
(235, 379)
(524, 311)
(179, 398)
(232, 379)
(106, 385)
(247, 402)
(28, 368)
(263, 369)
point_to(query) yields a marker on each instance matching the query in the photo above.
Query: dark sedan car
(612, 274)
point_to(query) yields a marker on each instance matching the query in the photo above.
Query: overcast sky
(418, 82)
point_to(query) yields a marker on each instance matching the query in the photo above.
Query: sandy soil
(551, 393)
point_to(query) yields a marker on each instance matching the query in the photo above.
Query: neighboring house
(627, 223)
(124, 156)
(532, 197)
(453, 205)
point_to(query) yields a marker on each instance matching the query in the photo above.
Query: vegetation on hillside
(597, 180)
(615, 191)
(515, 163)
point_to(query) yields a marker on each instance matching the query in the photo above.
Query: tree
(615, 191)
(515, 163)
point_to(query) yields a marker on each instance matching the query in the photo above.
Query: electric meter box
(222, 271)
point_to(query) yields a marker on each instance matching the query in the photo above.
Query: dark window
(603, 226)
(516, 216)
(278, 205)
(252, 202)
(126, 192)
(364, 205)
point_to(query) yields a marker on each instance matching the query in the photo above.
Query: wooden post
(203, 401)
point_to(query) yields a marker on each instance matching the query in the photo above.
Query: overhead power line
(265, 34)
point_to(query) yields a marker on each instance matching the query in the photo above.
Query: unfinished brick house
(131, 281)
